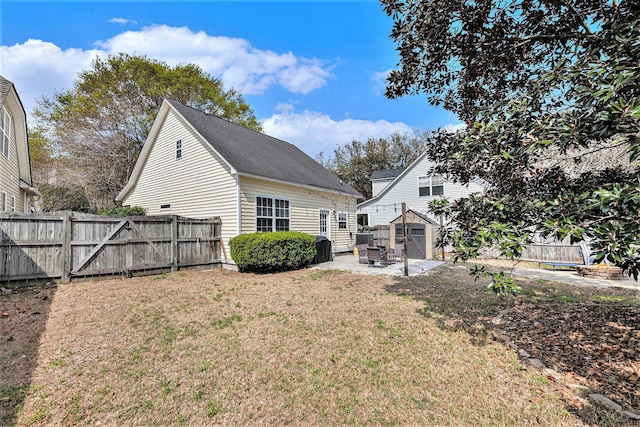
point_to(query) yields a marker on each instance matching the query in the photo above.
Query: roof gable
(11, 101)
(253, 153)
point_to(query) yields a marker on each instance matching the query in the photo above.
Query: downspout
(238, 204)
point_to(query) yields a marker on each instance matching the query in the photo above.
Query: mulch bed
(597, 345)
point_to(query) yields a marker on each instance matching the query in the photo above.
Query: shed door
(416, 241)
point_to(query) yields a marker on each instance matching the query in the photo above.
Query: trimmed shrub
(269, 252)
(125, 211)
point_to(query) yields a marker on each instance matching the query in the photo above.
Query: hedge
(268, 252)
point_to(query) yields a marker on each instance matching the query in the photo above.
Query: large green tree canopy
(101, 124)
(355, 162)
(548, 89)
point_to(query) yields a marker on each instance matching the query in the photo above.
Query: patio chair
(398, 250)
(362, 253)
(375, 254)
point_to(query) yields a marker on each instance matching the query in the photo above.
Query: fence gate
(129, 244)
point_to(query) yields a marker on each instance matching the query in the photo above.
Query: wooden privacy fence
(71, 244)
(546, 250)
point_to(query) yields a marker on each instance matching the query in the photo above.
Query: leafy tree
(103, 121)
(59, 198)
(355, 162)
(535, 80)
(41, 154)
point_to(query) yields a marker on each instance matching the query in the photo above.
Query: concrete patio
(350, 262)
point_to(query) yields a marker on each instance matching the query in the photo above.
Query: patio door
(325, 224)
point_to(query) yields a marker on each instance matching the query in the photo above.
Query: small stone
(536, 363)
(524, 354)
(606, 402)
(631, 415)
(5, 290)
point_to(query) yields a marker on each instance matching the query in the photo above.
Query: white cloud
(123, 21)
(38, 68)
(452, 127)
(314, 132)
(379, 80)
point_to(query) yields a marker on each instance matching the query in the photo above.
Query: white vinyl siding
(304, 209)
(388, 205)
(5, 132)
(10, 166)
(198, 186)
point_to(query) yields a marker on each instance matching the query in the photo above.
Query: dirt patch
(23, 316)
(598, 345)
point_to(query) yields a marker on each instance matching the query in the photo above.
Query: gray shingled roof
(254, 153)
(5, 87)
(418, 214)
(389, 173)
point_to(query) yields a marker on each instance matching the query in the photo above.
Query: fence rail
(71, 244)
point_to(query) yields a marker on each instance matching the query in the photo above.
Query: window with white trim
(3, 202)
(5, 132)
(431, 185)
(342, 220)
(13, 203)
(178, 149)
(272, 214)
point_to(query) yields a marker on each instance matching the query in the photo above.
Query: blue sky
(312, 71)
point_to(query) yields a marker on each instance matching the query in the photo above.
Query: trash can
(323, 250)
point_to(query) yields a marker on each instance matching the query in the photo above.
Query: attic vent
(165, 206)
(179, 149)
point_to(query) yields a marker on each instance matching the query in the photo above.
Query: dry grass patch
(308, 347)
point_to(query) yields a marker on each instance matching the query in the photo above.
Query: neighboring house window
(165, 206)
(179, 149)
(5, 132)
(431, 185)
(342, 221)
(272, 214)
(13, 203)
(3, 201)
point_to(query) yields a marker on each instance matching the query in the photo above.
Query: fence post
(66, 247)
(174, 243)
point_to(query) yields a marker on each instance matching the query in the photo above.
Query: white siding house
(198, 165)
(415, 186)
(16, 187)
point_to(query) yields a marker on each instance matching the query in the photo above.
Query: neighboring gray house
(16, 187)
(198, 165)
(414, 186)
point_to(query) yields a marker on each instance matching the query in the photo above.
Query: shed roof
(254, 153)
(419, 215)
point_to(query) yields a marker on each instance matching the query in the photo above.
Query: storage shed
(422, 235)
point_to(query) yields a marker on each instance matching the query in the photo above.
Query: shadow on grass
(23, 317)
(547, 317)
(454, 300)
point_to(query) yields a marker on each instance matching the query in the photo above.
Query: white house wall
(388, 205)
(10, 170)
(198, 185)
(305, 205)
